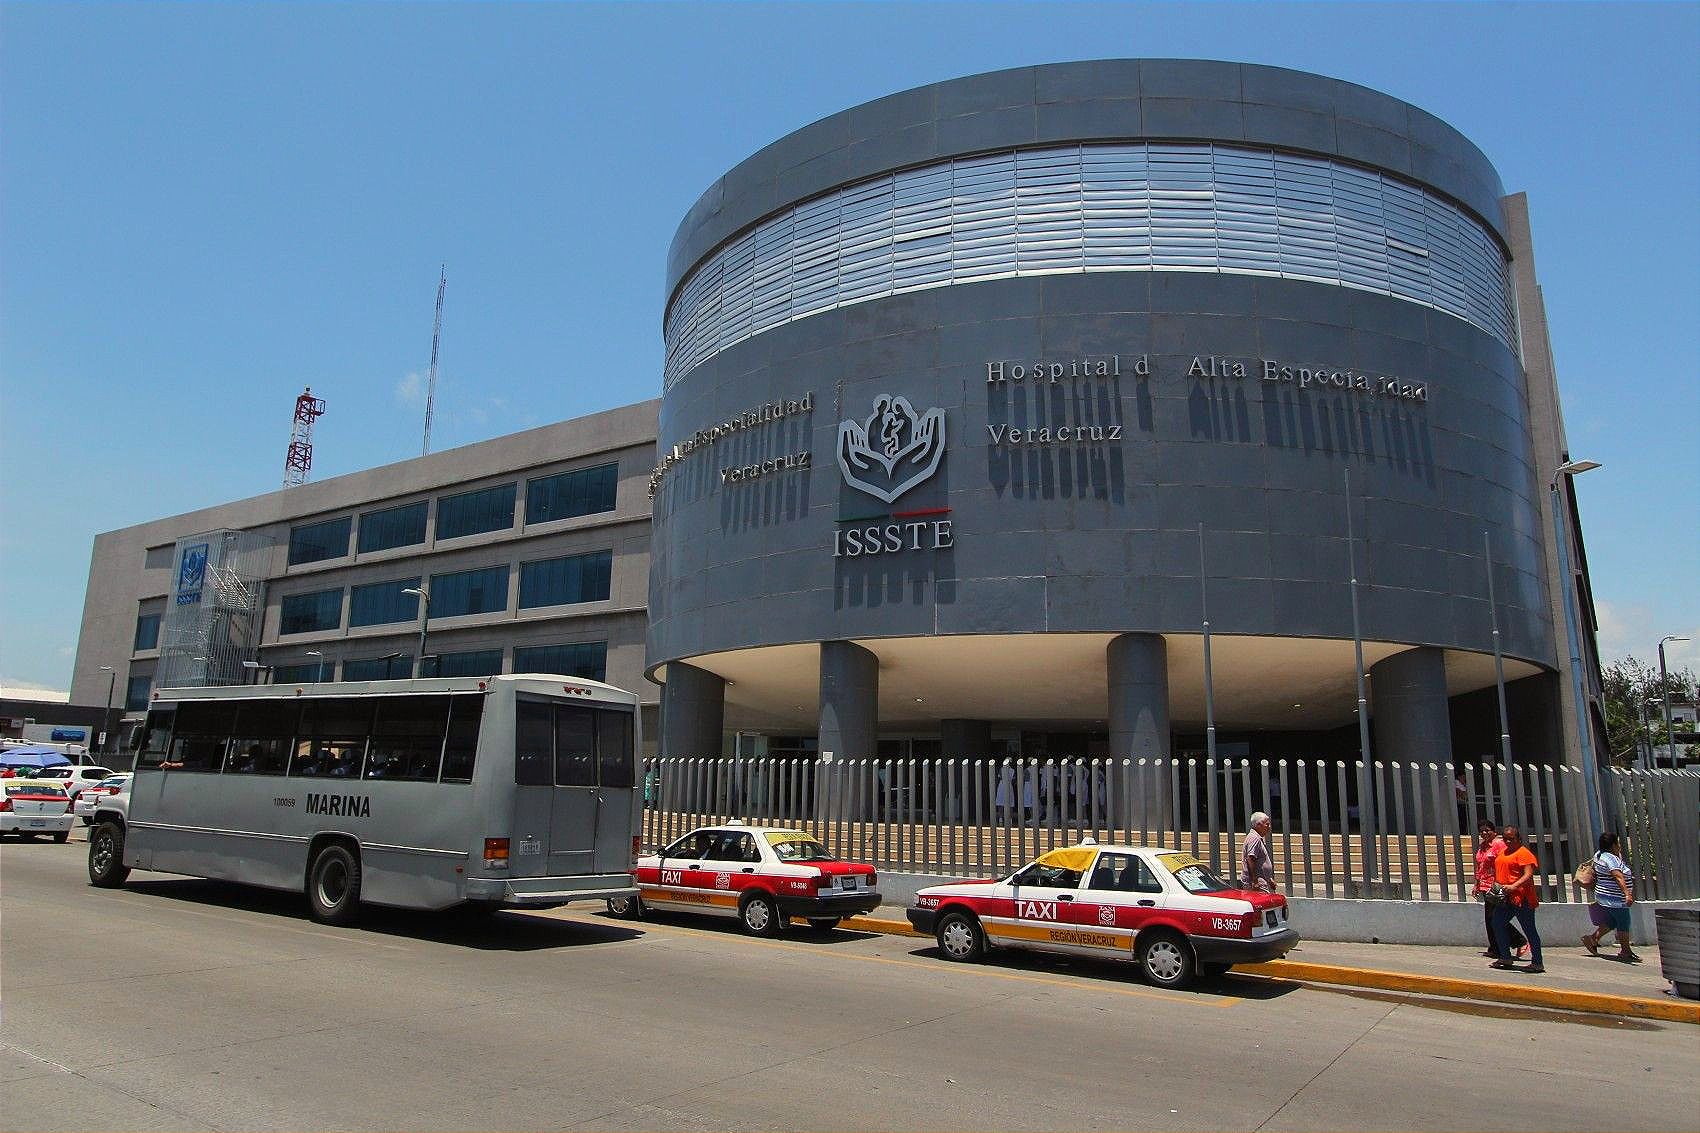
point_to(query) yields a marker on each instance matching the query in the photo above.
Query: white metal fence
(986, 817)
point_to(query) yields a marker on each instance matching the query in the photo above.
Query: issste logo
(892, 451)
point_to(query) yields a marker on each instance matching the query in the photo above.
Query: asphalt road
(183, 1004)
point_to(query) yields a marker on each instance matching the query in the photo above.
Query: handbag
(1585, 875)
(1494, 896)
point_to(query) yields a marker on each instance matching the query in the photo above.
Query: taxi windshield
(798, 848)
(1193, 875)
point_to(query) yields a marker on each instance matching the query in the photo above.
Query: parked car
(761, 875)
(74, 779)
(1162, 909)
(89, 798)
(30, 809)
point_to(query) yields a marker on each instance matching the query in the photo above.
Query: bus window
(263, 736)
(407, 739)
(461, 747)
(534, 753)
(201, 733)
(332, 739)
(575, 747)
(614, 754)
(155, 738)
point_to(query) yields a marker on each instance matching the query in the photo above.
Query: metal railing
(987, 817)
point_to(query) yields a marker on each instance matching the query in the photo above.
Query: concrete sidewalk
(1573, 980)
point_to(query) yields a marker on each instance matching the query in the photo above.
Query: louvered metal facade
(1094, 207)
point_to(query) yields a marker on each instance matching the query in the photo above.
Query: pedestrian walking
(1614, 892)
(1004, 797)
(1489, 845)
(1514, 874)
(1257, 868)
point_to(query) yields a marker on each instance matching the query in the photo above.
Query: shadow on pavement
(1492, 1010)
(1120, 971)
(795, 933)
(493, 932)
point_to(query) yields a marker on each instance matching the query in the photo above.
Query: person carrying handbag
(1614, 892)
(1514, 871)
(1489, 845)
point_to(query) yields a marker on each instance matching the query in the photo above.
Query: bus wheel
(333, 889)
(626, 908)
(760, 916)
(106, 856)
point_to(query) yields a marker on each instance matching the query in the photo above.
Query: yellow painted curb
(1558, 999)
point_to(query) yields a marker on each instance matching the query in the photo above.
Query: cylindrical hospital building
(983, 400)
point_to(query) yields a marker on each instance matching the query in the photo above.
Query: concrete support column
(693, 709)
(964, 741)
(1138, 670)
(849, 700)
(1409, 708)
(1412, 718)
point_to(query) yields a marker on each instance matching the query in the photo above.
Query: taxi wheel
(824, 924)
(627, 908)
(760, 916)
(62, 838)
(1213, 971)
(960, 938)
(1166, 959)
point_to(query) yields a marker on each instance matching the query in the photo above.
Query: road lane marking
(994, 973)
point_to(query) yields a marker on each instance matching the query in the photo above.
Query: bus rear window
(461, 747)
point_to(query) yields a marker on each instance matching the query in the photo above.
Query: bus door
(531, 843)
(616, 816)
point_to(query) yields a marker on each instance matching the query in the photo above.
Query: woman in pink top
(1489, 845)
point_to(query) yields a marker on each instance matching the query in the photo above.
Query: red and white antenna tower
(300, 459)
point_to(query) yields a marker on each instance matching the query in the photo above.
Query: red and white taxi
(762, 875)
(1160, 908)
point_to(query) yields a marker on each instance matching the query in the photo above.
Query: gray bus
(497, 791)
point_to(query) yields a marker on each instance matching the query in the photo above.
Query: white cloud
(1631, 629)
(13, 689)
(410, 390)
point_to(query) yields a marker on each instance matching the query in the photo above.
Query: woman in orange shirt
(1514, 870)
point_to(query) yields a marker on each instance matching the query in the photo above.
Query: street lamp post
(1498, 657)
(1584, 726)
(106, 720)
(1664, 691)
(424, 595)
(319, 669)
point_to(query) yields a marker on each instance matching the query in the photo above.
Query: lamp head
(1576, 467)
(251, 665)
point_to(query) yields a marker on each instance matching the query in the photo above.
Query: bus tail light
(495, 853)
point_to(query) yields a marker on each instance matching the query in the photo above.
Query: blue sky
(204, 208)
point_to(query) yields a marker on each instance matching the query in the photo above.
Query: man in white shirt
(1257, 868)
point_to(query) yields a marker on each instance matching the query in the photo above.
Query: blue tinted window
(556, 582)
(136, 693)
(312, 542)
(587, 659)
(582, 492)
(383, 602)
(491, 509)
(298, 674)
(304, 613)
(393, 527)
(469, 592)
(378, 668)
(147, 631)
(479, 663)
